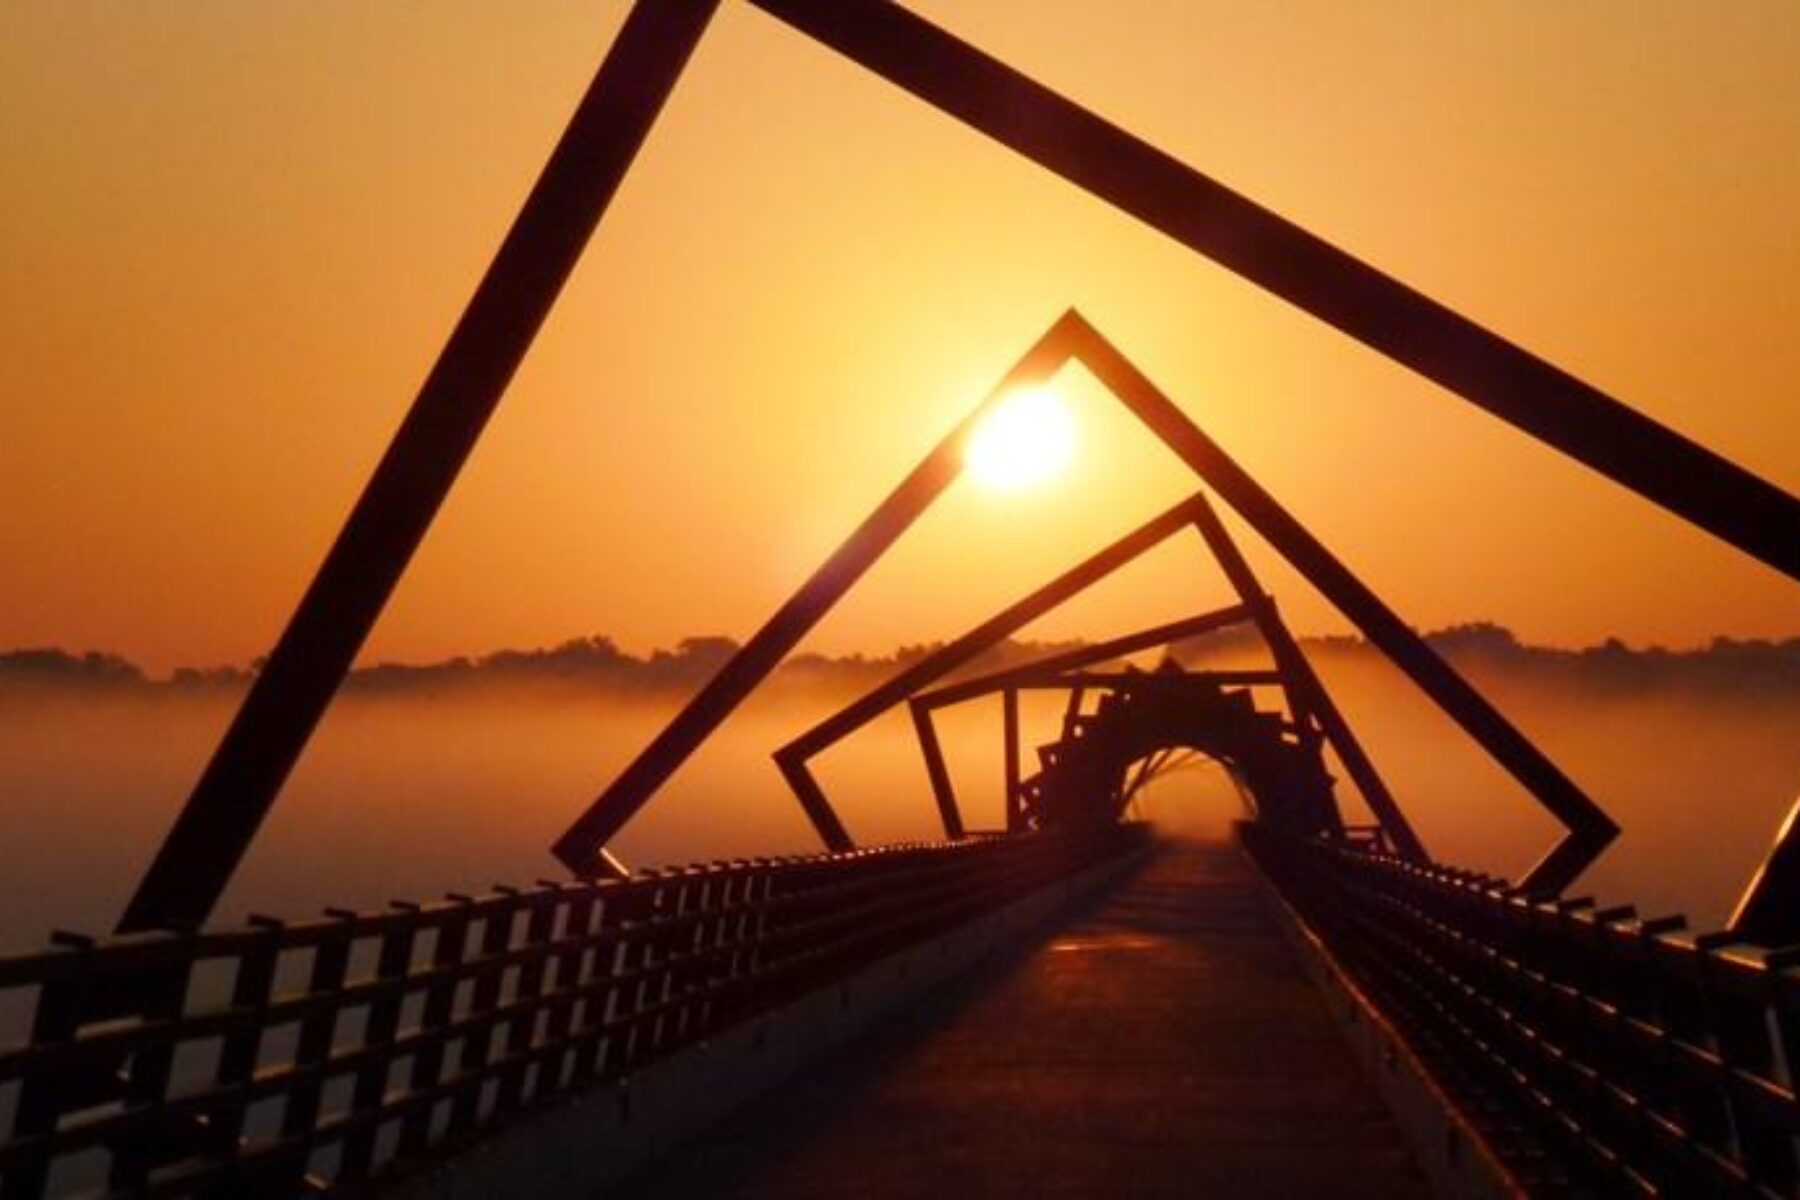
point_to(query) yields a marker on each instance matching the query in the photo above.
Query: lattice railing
(1650, 1061)
(289, 1056)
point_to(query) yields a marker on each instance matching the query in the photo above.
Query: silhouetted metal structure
(339, 1049)
(1073, 339)
(340, 607)
(1054, 671)
(307, 665)
(1090, 772)
(1648, 1061)
(289, 1057)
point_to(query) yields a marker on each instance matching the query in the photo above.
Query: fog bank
(457, 776)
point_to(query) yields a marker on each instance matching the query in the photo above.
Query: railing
(289, 1057)
(1646, 1061)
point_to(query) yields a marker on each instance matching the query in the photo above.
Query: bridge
(1068, 1003)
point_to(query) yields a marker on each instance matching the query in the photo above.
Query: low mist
(398, 797)
(1699, 779)
(413, 787)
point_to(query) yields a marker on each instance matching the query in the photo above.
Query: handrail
(1648, 1059)
(324, 1052)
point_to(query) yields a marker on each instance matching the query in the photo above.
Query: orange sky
(234, 236)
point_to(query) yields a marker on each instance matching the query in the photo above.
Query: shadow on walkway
(1163, 1042)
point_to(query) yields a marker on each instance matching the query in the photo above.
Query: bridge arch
(1103, 758)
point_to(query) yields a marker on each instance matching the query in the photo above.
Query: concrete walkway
(1163, 1043)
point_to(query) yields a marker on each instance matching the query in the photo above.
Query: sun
(1027, 437)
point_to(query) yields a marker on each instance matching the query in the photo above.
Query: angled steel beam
(1306, 692)
(1072, 709)
(1009, 737)
(1055, 672)
(1072, 337)
(1768, 912)
(1590, 829)
(582, 848)
(792, 758)
(308, 663)
(1083, 656)
(1128, 681)
(1044, 678)
(937, 771)
(1348, 294)
(1041, 676)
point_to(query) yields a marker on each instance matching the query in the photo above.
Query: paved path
(1162, 1043)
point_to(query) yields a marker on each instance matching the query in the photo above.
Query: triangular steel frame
(1307, 699)
(1072, 339)
(1055, 675)
(1053, 670)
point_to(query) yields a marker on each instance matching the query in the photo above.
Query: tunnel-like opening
(1190, 796)
(1141, 723)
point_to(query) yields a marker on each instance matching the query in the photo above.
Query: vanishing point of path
(1163, 1042)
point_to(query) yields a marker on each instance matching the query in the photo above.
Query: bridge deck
(1162, 1043)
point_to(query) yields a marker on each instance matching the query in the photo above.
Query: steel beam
(1026, 679)
(1590, 829)
(1129, 681)
(1279, 256)
(1072, 709)
(1082, 656)
(1306, 692)
(1009, 737)
(582, 847)
(938, 771)
(1057, 672)
(1035, 677)
(1115, 680)
(303, 671)
(792, 758)
(1768, 912)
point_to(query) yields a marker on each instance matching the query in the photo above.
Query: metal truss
(1073, 339)
(339, 608)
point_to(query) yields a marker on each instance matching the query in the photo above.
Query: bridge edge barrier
(605, 1135)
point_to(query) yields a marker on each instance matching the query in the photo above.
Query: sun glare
(1026, 438)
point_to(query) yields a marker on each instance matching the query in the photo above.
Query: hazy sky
(233, 237)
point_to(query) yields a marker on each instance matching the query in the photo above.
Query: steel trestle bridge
(457, 1046)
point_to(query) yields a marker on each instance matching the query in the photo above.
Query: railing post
(381, 1021)
(318, 1030)
(577, 906)
(637, 953)
(447, 952)
(158, 995)
(45, 1089)
(238, 1052)
(496, 918)
(1009, 720)
(540, 923)
(599, 983)
(1739, 998)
